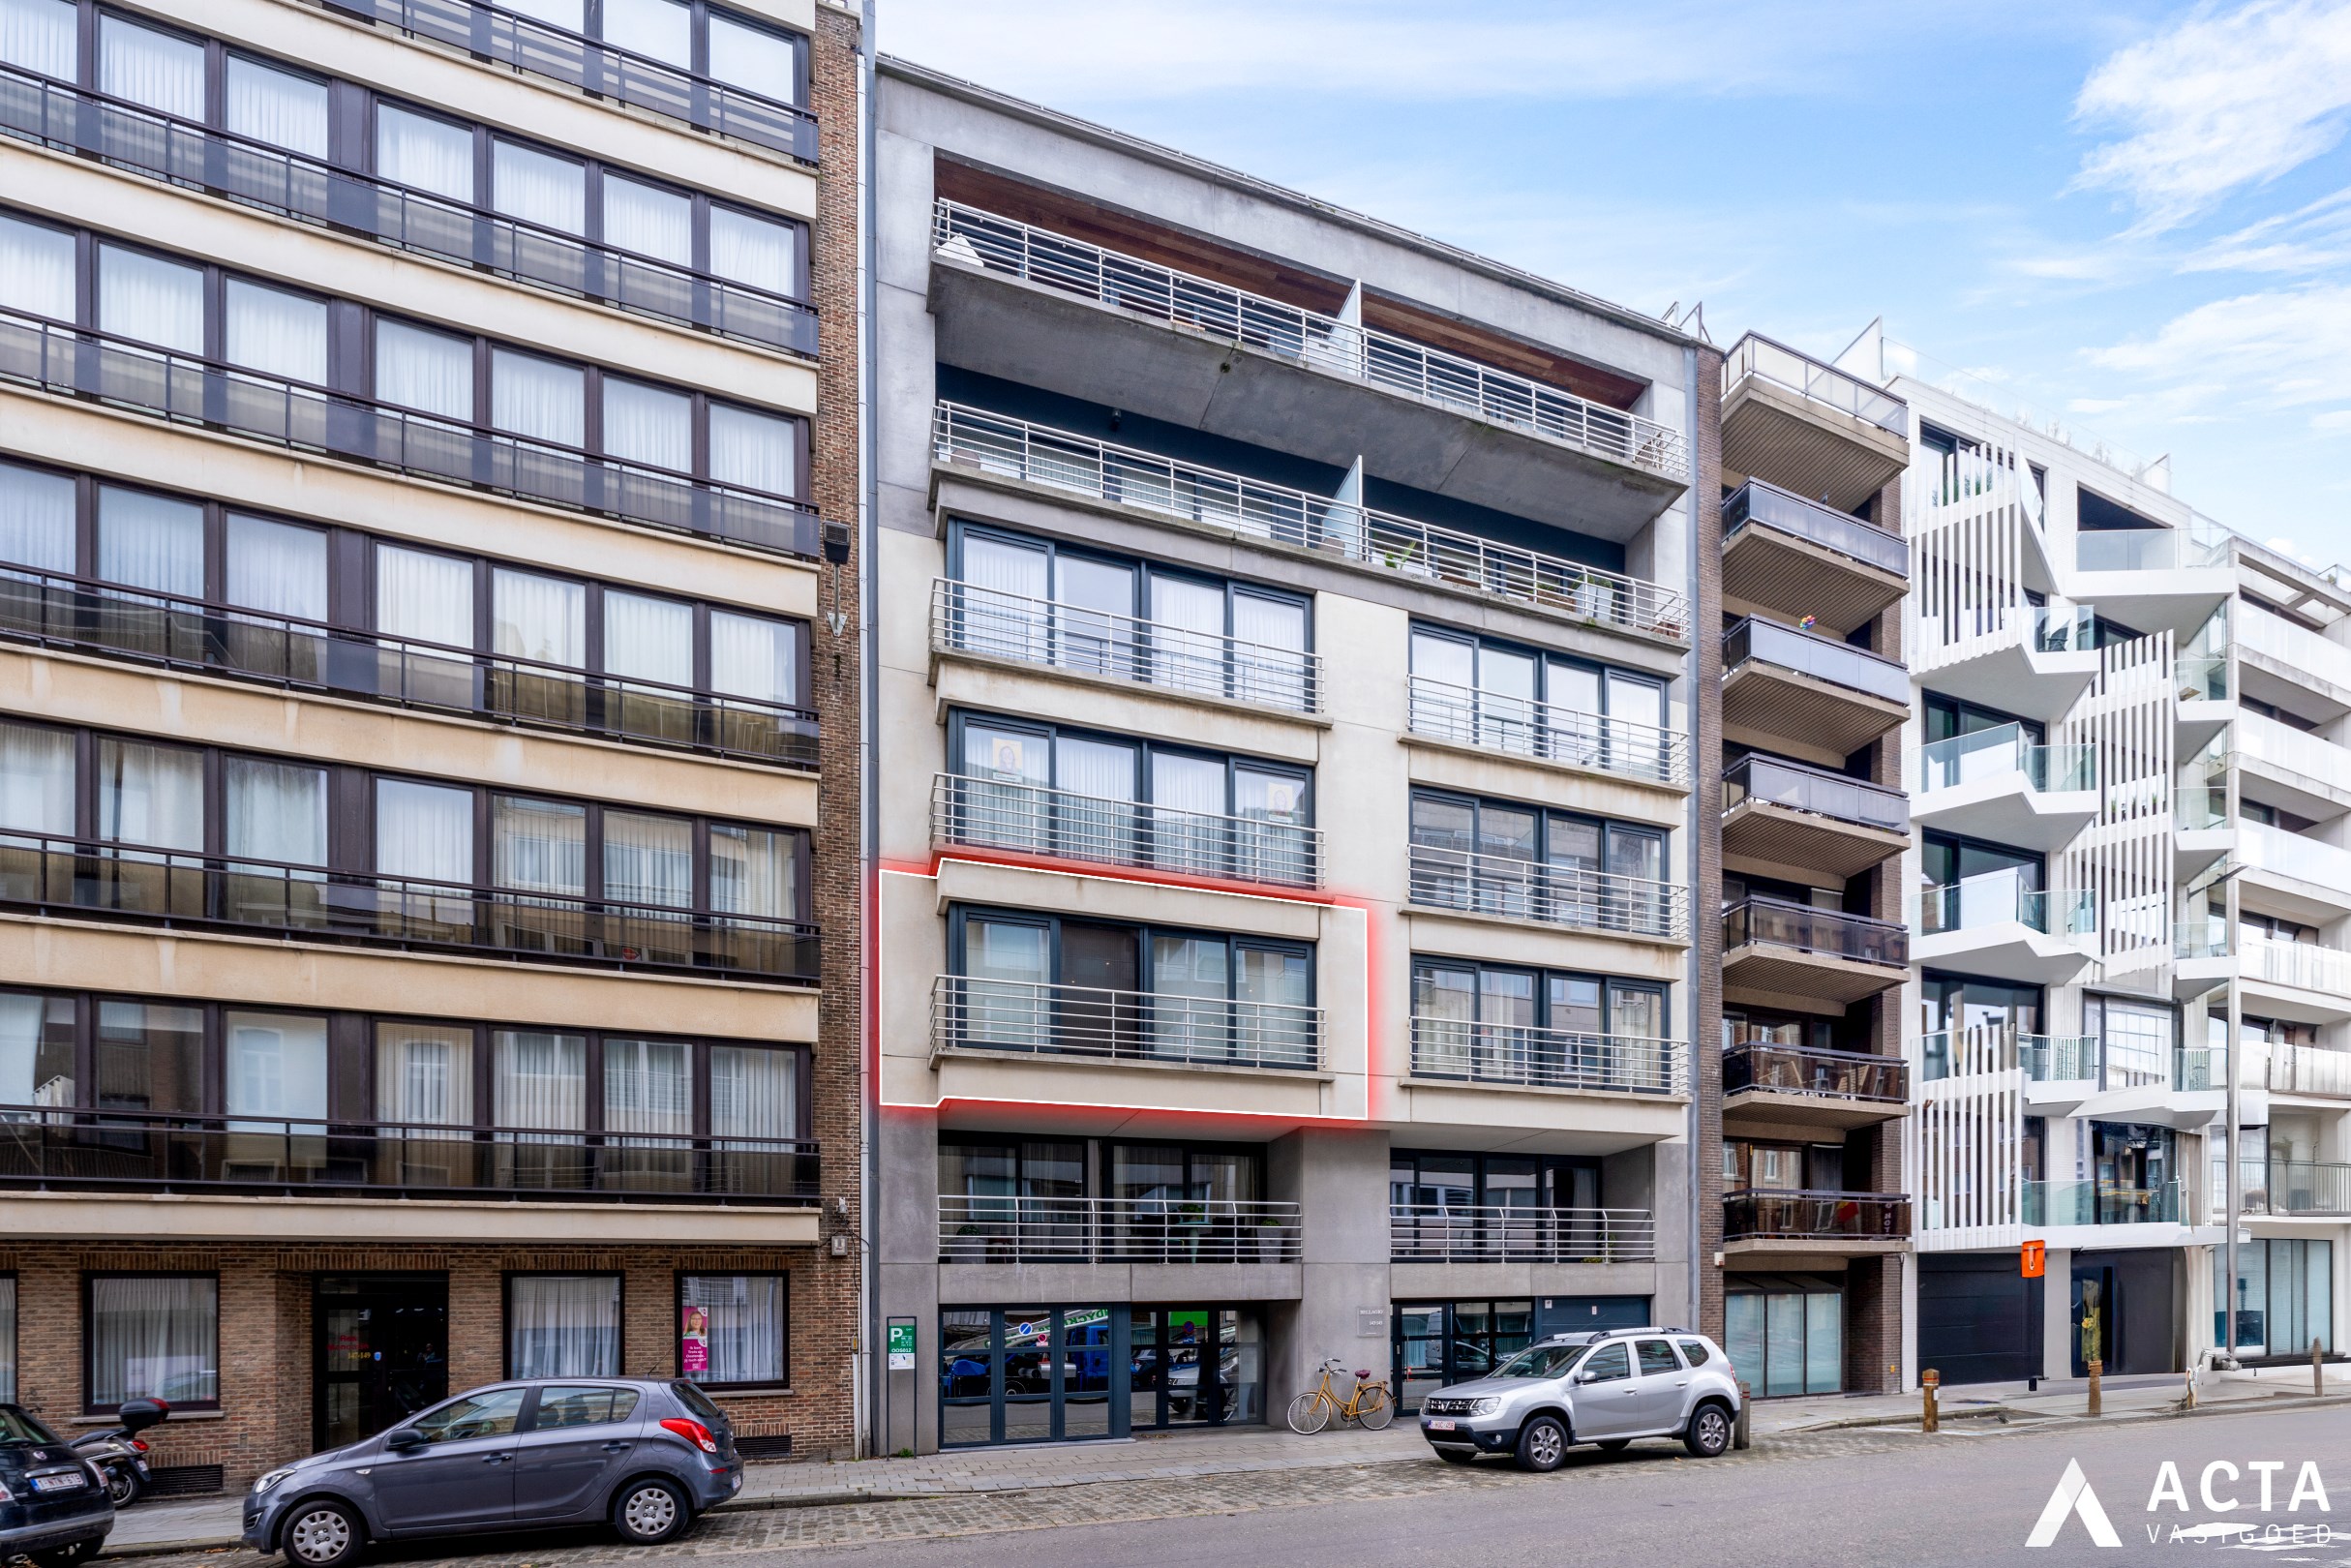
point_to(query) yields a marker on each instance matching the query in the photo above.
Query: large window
(733, 1329)
(151, 1335)
(2136, 1040)
(1786, 1332)
(1510, 698)
(2284, 1296)
(1530, 862)
(1504, 1023)
(563, 1325)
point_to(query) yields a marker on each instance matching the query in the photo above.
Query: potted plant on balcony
(1271, 1244)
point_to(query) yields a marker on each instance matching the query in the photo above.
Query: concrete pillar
(1339, 1182)
(906, 1266)
(2057, 1313)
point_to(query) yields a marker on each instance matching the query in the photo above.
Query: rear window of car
(1657, 1358)
(698, 1404)
(20, 1427)
(1693, 1352)
(586, 1405)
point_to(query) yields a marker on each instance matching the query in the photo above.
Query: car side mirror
(401, 1440)
(1587, 1375)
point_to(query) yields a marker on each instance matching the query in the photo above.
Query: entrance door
(381, 1351)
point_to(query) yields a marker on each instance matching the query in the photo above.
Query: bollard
(1930, 1418)
(2318, 1370)
(2188, 1402)
(1739, 1427)
(2095, 1367)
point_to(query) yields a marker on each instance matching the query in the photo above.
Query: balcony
(1445, 558)
(183, 389)
(2201, 830)
(51, 610)
(990, 623)
(1522, 727)
(2310, 878)
(2287, 1188)
(2068, 1059)
(2155, 579)
(1791, 820)
(2304, 773)
(2300, 981)
(1793, 419)
(1575, 897)
(253, 174)
(524, 44)
(1994, 926)
(1995, 786)
(129, 1151)
(1791, 557)
(106, 880)
(1784, 690)
(1114, 329)
(1019, 821)
(2050, 1204)
(2309, 1069)
(1815, 961)
(1769, 1081)
(1494, 1233)
(1458, 1049)
(1768, 1222)
(2292, 656)
(1030, 1229)
(1160, 1028)
(2034, 660)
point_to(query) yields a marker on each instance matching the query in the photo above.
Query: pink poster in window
(694, 1343)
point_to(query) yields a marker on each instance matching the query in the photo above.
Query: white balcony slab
(2004, 808)
(2005, 950)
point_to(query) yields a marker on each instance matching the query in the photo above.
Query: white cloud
(2224, 100)
(2263, 351)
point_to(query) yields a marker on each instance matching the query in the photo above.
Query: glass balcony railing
(2198, 1068)
(1817, 791)
(2303, 858)
(1759, 357)
(1808, 1216)
(2057, 1058)
(1998, 897)
(2201, 678)
(2297, 648)
(1775, 922)
(1840, 664)
(2263, 739)
(2206, 938)
(2197, 807)
(2100, 1203)
(2044, 1058)
(1963, 759)
(2064, 628)
(2309, 1069)
(1768, 1066)
(2144, 550)
(1763, 505)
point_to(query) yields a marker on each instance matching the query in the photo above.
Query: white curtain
(150, 542)
(275, 332)
(538, 188)
(648, 1086)
(538, 617)
(428, 155)
(276, 811)
(563, 1325)
(277, 1066)
(424, 1074)
(35, 518)
(36, 269)
(151, 68)
(649, 222)
(424, 830)
(753, 656)
(151, 795)
(756, 451)
(647, 425)
(154, 1336)
(754, 1092)
(540, 846)
(538, 1080)
(648, 638)
(755, 251)
(660, 29)
(20, 1018)
(276, 107)
(36, 779)
(425, 596)
(755, 871)
(539, 398)
(277, 567)
(743, 1324)
(754, 59)
(648, 860)
(151, 300)
(431, 372)
(39, 34)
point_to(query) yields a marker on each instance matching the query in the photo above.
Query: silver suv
(1605, 1388)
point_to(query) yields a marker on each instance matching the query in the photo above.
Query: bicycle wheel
(1374, 1409)
(1310, 1412)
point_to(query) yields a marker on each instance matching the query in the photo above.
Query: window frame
(1142, 568)
(782, 1382)
(1236, 942)
(1542, 975)
(1546, 661)
(506, 1279)
(89, 1338)
(1146, 750)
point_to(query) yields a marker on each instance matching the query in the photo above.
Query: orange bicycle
(1369, 1403)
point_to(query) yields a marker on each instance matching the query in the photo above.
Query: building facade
(1285, 788)
(428, 868)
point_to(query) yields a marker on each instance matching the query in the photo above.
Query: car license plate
(59, 1483)
(1440, 1426)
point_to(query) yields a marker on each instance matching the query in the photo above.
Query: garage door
(1980, 1321)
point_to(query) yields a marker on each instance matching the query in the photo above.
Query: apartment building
(428, 710)
(1285, 794)
(1804, 1211)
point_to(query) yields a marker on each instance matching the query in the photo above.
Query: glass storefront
(2285, 1296)
(1451, 1342)
(1786, 1333)
(1031, 1374)
(1194, 1366)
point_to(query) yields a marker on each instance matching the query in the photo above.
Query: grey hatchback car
(1606, 1388)
(645, 1454)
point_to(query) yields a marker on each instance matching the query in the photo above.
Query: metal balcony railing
(1808, 1216)
(1988, 1048)
(2100, 1203)
(52, 1148)
(1496, 721)
(91, 877)
(1461, 1048)
(1963, 759)
(198, 157)
(986, 1228)
(1769, 1067)
(187, 389)
(1761, 504)
(971, 1014)
(974, 238)
(2291, 1186)
(1760, 356)
(1817, 791)
(56, 611)
(1499, 1233)
(1129, 477)
(1030, 819)
(1840, 664)
(1582, 898)
(1998, 897)
(1779, 923)
(521, 43)
(2057, 1058)
(992, 623)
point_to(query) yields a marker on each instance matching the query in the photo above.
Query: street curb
(2279, 1402)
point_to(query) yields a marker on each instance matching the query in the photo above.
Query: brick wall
(1706, 1024)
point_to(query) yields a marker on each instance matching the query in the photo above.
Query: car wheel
(69, 1557)
(1614, 1445)
(321, 1534)
(124, 1485)
(1709, 1430)
(649, 1511)
(1542, 1444)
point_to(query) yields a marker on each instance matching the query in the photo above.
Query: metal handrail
(1782, 924)
(199, 157)
(1760, 356)
(975, 238)
(970, 1013)
(993, 623)
(1841, 664)
(1582, 898)
(1762, 1212)
(525, 44)
(1773, 1067)
(1501, 1233)
(55, 609)
(69, 1147)
(1494, 721)
(1522, 1054)
(1760, 503)
(2288, 1187)
(1025, 1228)
(1129, 477)
(1014, 815)
(82, 876)
(1799, 787)
(190, 389)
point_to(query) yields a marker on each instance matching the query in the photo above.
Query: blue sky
(2132, 219)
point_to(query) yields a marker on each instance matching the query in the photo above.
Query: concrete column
(906, 1267)
(2057, 1313)
(1339, 1182)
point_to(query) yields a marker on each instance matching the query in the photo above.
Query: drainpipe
(1708, 907)
(868, 716)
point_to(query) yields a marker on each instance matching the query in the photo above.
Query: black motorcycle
(120, 1453)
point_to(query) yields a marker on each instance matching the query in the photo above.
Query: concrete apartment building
(1284, 699)
(428, 878)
